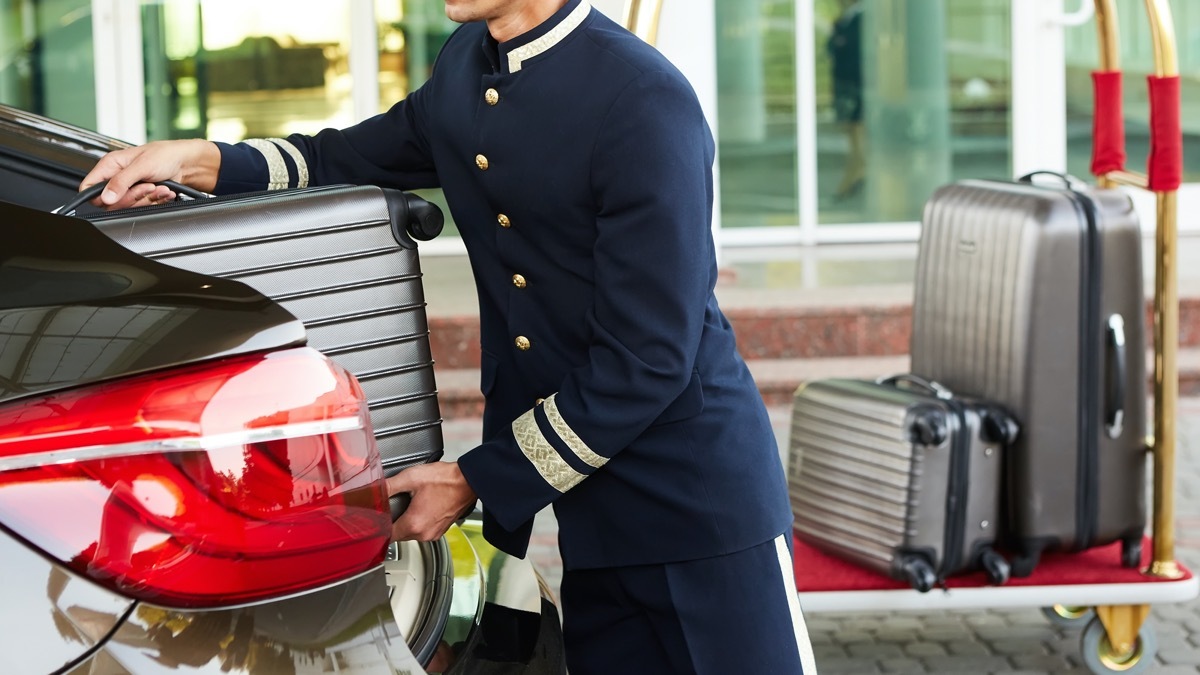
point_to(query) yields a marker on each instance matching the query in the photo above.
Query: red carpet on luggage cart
(1092, 577)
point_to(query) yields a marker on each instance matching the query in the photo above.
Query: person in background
(845, 53)
(578, 166)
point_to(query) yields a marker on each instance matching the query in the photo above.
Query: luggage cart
(1091, 587)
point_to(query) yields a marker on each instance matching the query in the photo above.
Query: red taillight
(203, 486)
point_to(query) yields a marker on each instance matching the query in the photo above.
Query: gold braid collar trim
(555, 36)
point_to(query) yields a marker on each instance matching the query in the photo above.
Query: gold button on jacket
(481, 162)
(523, 343)
(503, 220)
(519, 281)
(491, 96)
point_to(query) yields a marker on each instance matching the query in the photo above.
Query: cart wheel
(1099, 657)
(1064, 616)
(1131, 553)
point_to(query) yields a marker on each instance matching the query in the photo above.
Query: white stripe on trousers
(803, 642)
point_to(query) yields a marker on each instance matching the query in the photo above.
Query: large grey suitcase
(341, 260)
(905, 480)
(1031, 296)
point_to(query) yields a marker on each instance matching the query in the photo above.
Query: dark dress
(845, 51)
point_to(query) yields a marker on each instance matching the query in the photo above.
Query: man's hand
(440, 495)
(131, 172)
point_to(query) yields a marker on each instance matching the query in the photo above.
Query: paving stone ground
(1010, 641)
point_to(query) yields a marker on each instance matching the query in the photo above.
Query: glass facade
(885, 99)
(924, 101)
(228, 70)
(46, 58)
(411, 33)
(756, 112)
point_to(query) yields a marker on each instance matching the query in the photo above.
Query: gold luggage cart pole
(1123, 623)
(641, 18)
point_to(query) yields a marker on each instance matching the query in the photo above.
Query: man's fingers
(433, 510)
(128, 185)
(109, 165)
(401, 482)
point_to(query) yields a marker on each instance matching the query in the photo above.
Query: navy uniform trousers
(736, 613)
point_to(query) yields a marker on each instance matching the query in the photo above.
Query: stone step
(459, 397)
(797, 332)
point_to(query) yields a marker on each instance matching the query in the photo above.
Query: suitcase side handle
(1114, 408)
(928, 386)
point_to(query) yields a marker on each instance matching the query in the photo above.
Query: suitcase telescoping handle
(1163, 177)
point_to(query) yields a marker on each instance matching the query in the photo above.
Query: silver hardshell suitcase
(341, 260)
(1031, 296)
(899, 476)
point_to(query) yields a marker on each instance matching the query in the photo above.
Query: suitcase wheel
(999, 427)
(919, 573)
(997, 568)
(1023, 566)
(929, 428)
(1131, 553)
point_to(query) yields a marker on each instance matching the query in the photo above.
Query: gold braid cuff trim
(549, 464)
(294, 153)
(278, 179)
(568, 436)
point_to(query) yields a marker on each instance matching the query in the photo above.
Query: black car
(198, 405)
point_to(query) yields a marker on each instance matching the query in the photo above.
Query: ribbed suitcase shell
(1000, 313)
(865, 488)
(329, 256)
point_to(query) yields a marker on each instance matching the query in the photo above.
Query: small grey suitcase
(899, 476)
(340, 259)
(1031, 296)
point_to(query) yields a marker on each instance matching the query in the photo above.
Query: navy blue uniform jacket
(578, 166)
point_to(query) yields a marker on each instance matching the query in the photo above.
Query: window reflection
(46, 62)
(756, 112)
(909, 96)
(229, 70)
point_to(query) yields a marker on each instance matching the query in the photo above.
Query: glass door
(46, 58)
(228, 70)
(909, 96)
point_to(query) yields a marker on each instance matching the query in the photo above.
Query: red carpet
(817, 571)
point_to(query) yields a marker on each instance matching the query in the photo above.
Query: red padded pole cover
(1108, 124)
(1165, 166)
